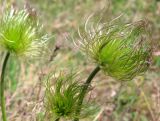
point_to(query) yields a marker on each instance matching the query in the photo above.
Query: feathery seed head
(121, 50)
(20, 34)
(61, 100)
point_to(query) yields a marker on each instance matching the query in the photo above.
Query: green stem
(2, 84)
(84, 90)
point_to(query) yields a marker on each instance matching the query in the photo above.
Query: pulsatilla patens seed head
(121, 50)
(61, 99)
(20, 33)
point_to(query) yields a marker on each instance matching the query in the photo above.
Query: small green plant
(19, 36)
(61, 100)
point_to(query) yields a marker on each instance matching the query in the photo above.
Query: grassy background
(61, 19)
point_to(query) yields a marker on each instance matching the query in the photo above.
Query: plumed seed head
(121, 50)
(61, 100)
(20, 33)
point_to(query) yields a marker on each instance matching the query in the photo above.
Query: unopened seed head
(20, 34)
(121, 50)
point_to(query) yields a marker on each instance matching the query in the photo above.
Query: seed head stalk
(84, 90)
(2, 84)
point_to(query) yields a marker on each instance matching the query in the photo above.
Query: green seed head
(61, 100)
(20, 34)
(122, 51)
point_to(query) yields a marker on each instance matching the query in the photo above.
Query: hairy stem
(84, 90)
(2, 84)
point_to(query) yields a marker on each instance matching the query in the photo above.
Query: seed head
(121, 50)
(20, 34)
(61, 100)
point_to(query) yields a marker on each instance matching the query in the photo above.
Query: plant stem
(84, 90)
(2, 84)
